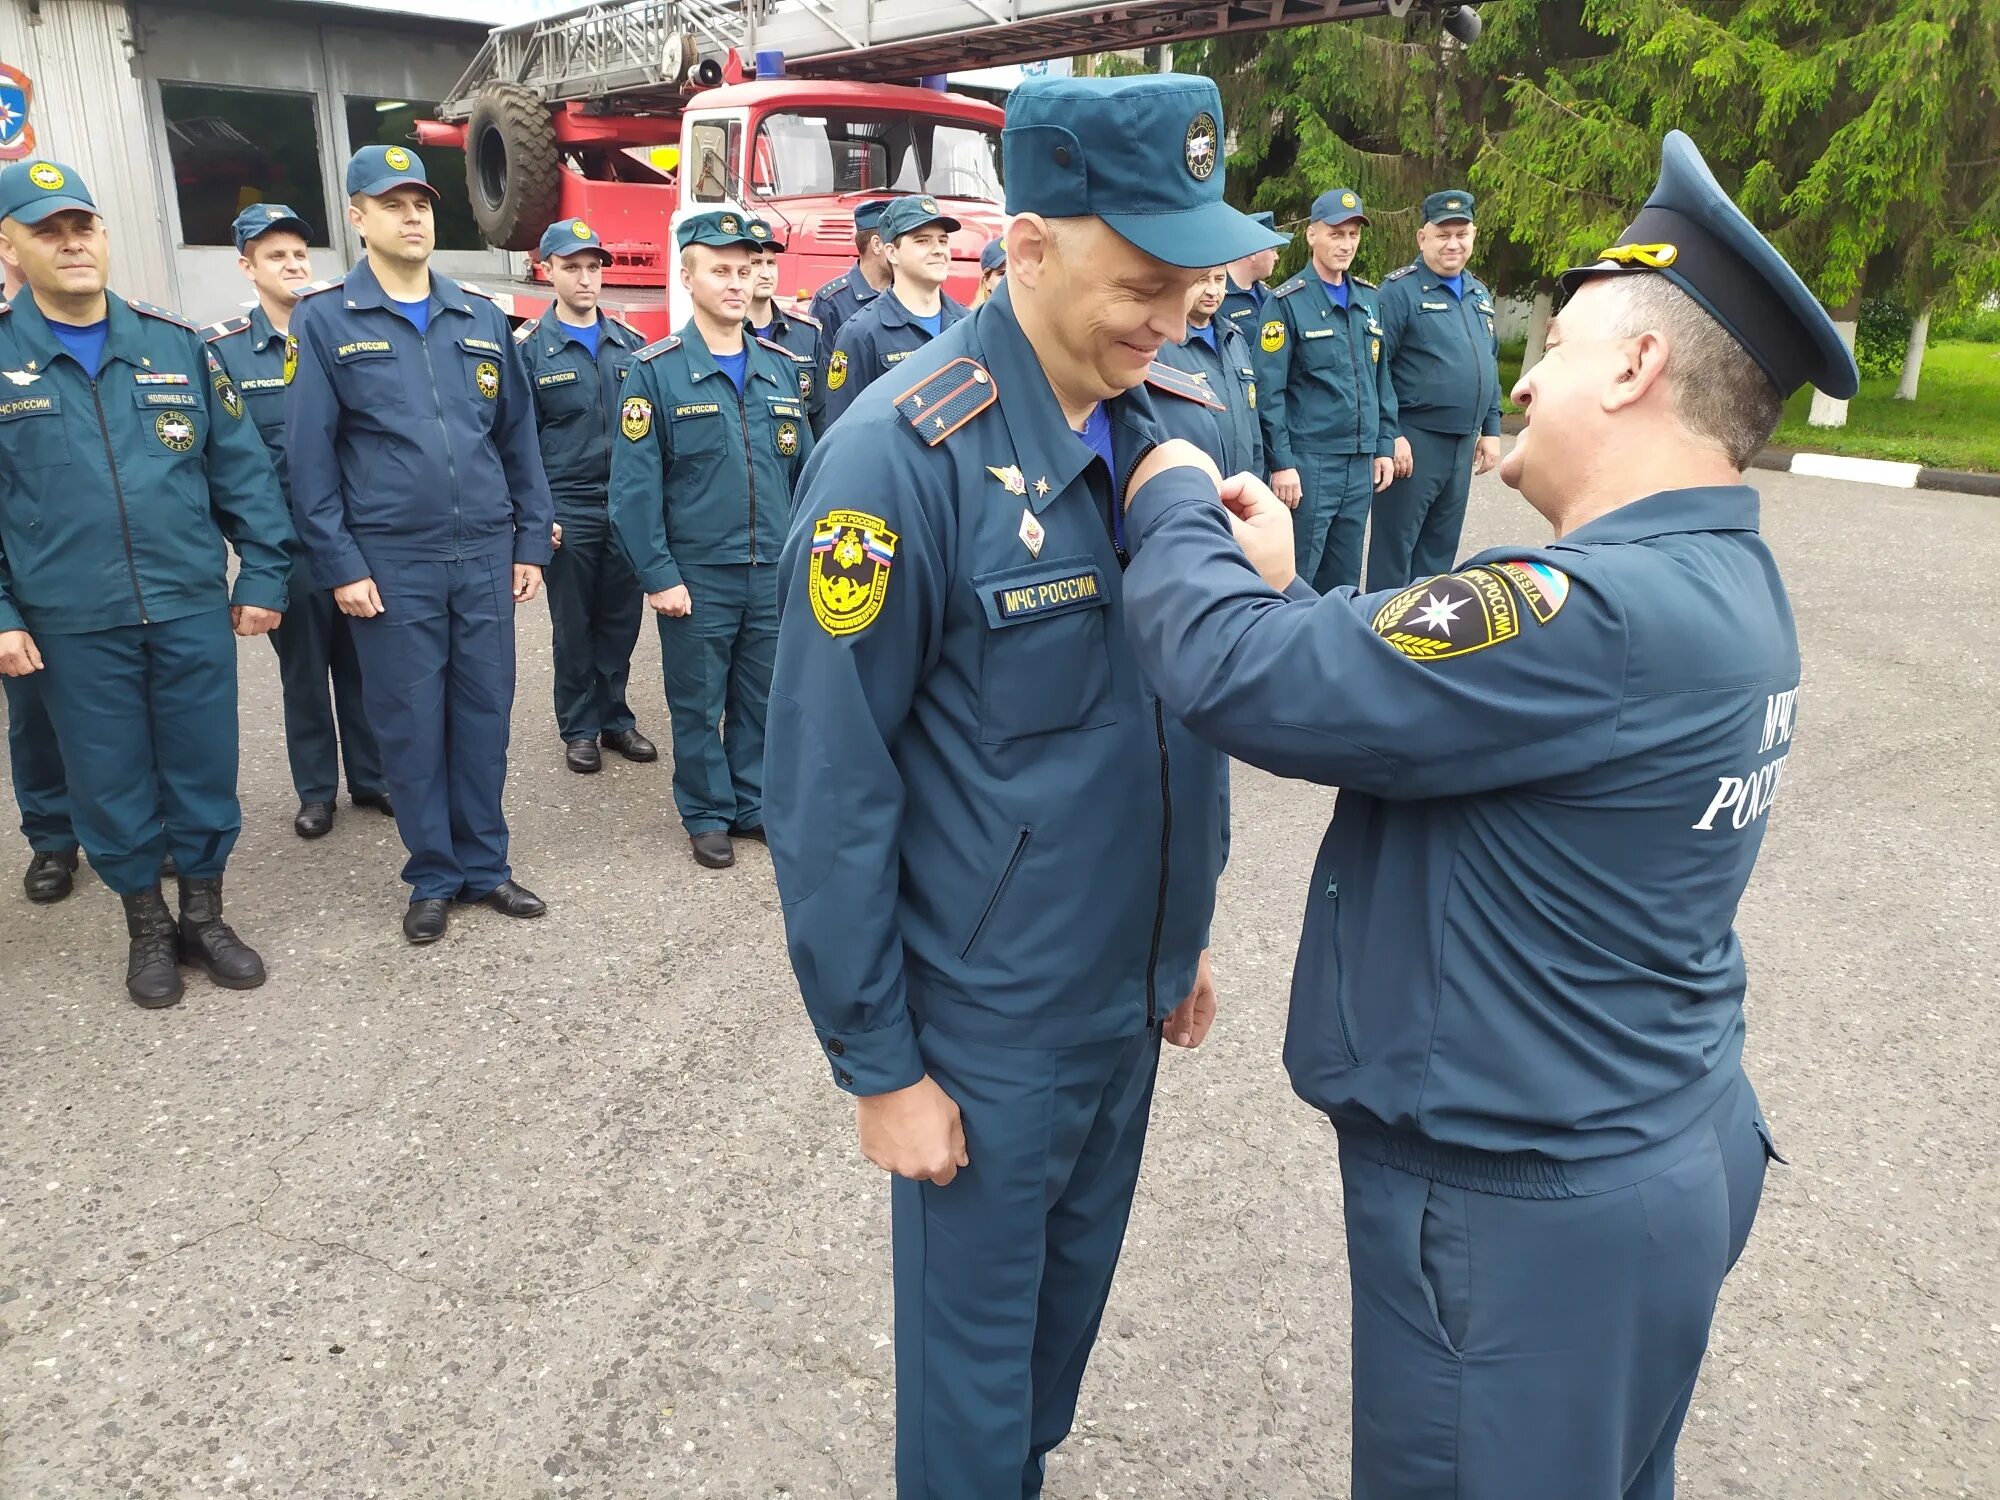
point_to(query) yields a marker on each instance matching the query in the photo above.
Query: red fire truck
(631, 114)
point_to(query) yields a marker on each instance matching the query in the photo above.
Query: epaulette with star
(147, 309)
(1180, 383)
(1289, 287)
(774, 345)
(659, 346)
(1399, 273)
(218, 331)
(321, 286)
(940, 404)
(1362, 281)
(806, 318)
(525, 332)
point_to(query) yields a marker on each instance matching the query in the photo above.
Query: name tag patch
(1033, 598)
(1316, 333)
(268, 383)
(557, 377)
(27, 406)
(364, 346)
(698, 409)
(167, 398)
(483, 346)
(1437, 307)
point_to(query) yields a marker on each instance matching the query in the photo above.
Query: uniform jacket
(576, 402)
(700, 474)
(980, 817)
(116, 495)
(409, 447)
(1227, 371)
(1442, 353)
(1244, 306)
(799, 335)
(873, 343)
(1519, 966)
(1323, 374)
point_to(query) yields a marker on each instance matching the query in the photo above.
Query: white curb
(1860, 470)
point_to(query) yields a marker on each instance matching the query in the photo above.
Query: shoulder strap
(944, 402)
(1179, 383)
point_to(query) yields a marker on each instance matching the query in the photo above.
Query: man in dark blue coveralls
(314, 644)
(1519, 992)
(124, 464)
(419, 494)
(1444, 361)
(909, 315)
(713, 435)
(576, 357)
(997, 854)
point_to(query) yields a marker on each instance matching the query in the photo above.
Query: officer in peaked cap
(853, 289)
(315, 644)
(912, 312)
(796, 332)
(997, 855)
(1519, 993)
(1245, 293)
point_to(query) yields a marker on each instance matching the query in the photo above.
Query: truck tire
(513, 172)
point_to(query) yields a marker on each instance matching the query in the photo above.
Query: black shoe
(51, 876)
(631, 744)
(712, 850)
(153, 970)
(754, 831)
(377, 800)
(211, 944)
(314, 820)
(513, 900)
(581, 755)
(425, 921)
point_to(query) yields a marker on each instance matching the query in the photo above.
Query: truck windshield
(803, 154)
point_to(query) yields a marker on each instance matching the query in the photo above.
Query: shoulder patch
(1179, 383)
(774, 345)
(222, 330)
(1289, 287)
(147, 309)
(660, 346)
(321, 286)
(852, 555)
(939, 406)
(1544, 589)
(1452, 614)
(1399, 273)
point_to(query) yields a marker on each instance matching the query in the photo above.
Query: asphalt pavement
(571, 1208)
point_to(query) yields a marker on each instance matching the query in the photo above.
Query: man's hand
(1263, 529)
(527, 582)
(1385, 474)
(1485, 454)
(359, 599)
(555, 534)
(914, 1132)
(18, 656)
(1190, 1020)
(1174, 453)
(1286, 486)
(673, 601)
(248, 619)
(1406, 461)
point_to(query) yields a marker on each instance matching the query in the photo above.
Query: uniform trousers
(595, 606)
(717, 662)
(315, 646)
(1507, 1347)
(1002, 1274)
(1418, 519)
(41, 790)
(1332, 517)
(437, 679)
(146, 716)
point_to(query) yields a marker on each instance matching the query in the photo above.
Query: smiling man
(909, 315)
(1519, 991)
(997, 854)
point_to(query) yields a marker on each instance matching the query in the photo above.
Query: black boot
(210, 943)
(51, 876)
(153, 973)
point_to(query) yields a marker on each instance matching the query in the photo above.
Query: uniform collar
(359, 289)
(1430, 281)
(1721, 507)
(701, 363)
(261, 331)
(123, 332)
(554, 332)
(1257, 291)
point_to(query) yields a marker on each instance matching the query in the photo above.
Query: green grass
(1953, 424)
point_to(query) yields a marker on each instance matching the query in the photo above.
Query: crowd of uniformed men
(1006, 615)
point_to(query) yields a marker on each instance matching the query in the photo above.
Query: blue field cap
(908, 214)
(1691, 233)
(262, 218)
(994, 256)
(765, 233)
(869, 215)
(32, 190)
(1338, 206)
(566, 237)
(1448, 204)
(720, 230)
(375, 169)
(1143, 153)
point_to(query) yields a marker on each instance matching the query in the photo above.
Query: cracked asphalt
(570, 1208)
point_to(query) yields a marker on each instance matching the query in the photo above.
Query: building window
(233, 147)
(393, 122)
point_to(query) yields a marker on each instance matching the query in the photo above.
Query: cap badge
(1201, 146)
(1348, 200)
(580, 229)
(397, 158)
(46, 175)
(928, 205)
(1655, 257)
(758, 231)
(1453, 203)
(728, 223)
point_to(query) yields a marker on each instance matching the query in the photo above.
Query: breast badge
(851, 557)
(175, 430)
(788, 439)
(486, 375)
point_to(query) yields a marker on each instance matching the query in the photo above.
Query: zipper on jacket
(1354, 359)
(1340, 989)
(749, 460)
(118, 493)
(1479, 411)
(450, 463)
(1166, 800)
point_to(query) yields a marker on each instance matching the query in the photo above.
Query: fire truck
(632, 114)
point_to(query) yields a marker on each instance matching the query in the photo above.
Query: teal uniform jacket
(1243, 306)
(576, 401)
(1231, 377)
(253, 352)
(875, 342)
(799, 335)
(116, 496)
(1323, 379)
(699, 474)
(1441, 352)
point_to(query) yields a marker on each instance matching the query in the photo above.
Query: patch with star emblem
(486, 375)
(1452, 614)
(635, 417)
(1271, 337)
(788, 439)
(175, 430)
(225, 388)
(836, 370)
(1201, 147)
(852, 553)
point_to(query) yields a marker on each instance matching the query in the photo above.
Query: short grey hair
(1721, 395)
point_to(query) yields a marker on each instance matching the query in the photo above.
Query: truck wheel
(512, 170)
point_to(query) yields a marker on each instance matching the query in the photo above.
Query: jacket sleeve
(1389, 418)
(1490, 427)
(638, 499)
(815, 368)
(833, 793)
(1395, 316)
(1274, 370)
(312, 435)
(243, 492)
(859, 352)
(520, 445)
(1320, 691)
(10, 614)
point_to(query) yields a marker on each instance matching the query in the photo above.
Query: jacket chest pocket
(562, 395)
(172, 423)
(1045, 662)
(701, 428)
(366, 375)
(32, 432)
(1325, 349)
(481, 360)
